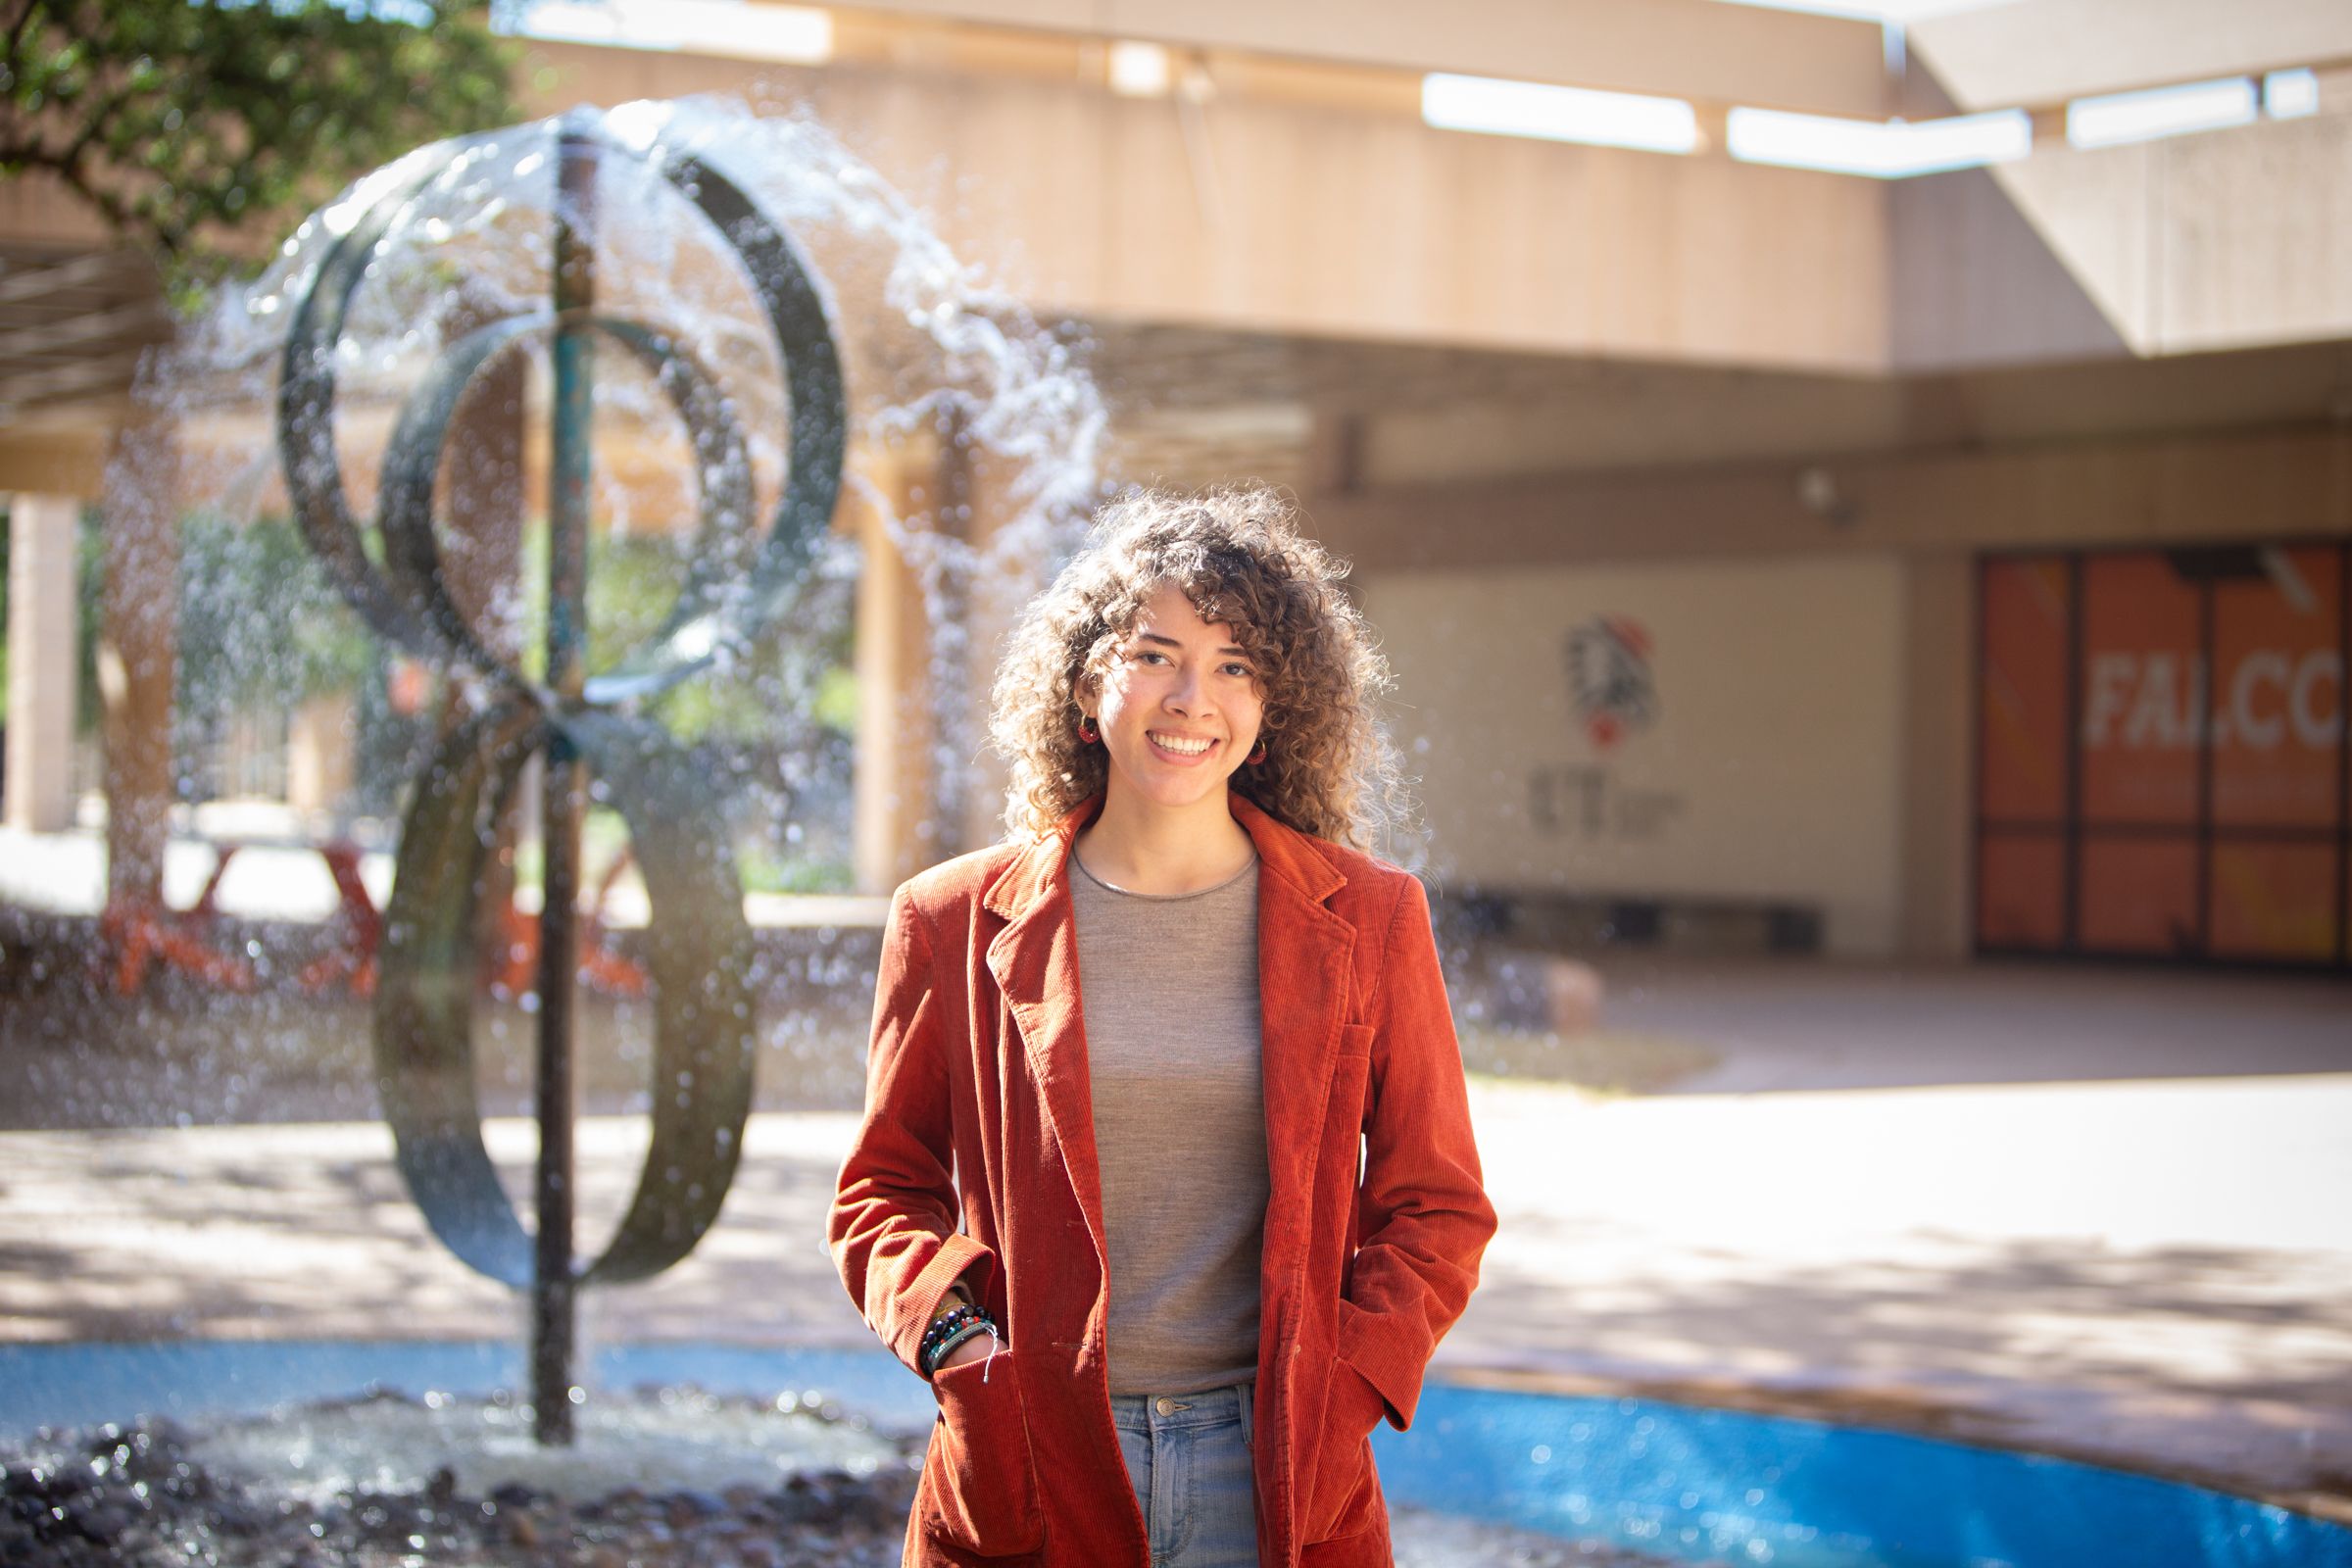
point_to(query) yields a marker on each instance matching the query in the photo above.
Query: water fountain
(424, 1025)
(672, 231)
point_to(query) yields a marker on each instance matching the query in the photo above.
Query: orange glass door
(2162, 763)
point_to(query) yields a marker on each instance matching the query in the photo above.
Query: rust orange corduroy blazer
(978, 1111)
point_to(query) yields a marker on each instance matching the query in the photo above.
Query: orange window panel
(2021, 891)
(2139, 895)
(2279, 692)
(2022, 717)
(2274, 901)
(2144, 691)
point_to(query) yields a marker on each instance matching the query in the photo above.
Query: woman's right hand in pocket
(1353, 1408)
(979, 1486)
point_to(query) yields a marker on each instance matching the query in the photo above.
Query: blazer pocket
(981, 1480)
(1343, 1458)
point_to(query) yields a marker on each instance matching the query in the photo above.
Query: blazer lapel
(1035, 962)
(1304, 954)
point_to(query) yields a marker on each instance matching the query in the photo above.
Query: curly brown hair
(1237, 555)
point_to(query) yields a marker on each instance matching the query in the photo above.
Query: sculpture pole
(563, 800)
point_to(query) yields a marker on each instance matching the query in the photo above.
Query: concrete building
(1903, 559)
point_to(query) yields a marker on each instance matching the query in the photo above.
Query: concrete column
(137, 652)
(1010, 564)
(893, 835)
(319, 754)
(958, 710)
(44, 616)
(932, 609)
(1939, 793)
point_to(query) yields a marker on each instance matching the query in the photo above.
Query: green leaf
(175, 105)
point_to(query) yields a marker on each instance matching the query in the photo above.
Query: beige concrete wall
(1686, 48)
(1773, 769)
(1283, 216)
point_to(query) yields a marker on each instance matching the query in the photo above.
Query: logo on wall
(1609, 679)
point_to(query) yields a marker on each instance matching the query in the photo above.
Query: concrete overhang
(1281, 210)
(1699, 49)
(2043, 54)
(2225, 239)
(1298, 195)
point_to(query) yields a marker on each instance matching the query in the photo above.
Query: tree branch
(104, 130)
(16, 33)
(116, 211)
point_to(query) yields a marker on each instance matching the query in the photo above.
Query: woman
(1165, 1178)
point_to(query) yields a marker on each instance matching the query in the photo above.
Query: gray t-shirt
(1169, 989)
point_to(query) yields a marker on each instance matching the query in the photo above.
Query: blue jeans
(1187, 1456)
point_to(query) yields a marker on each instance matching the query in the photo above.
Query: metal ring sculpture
(699, 941)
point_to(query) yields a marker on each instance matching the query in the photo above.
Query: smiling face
(1179, 707)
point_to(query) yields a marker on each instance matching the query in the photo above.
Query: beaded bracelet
(969, 1331)
(944, 1326)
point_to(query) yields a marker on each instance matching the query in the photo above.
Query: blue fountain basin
(1668, 1481)
(1719, 1486)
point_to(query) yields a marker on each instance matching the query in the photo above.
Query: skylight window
(790, 34)
(1893, 149)
(1500, 108)
(1890, 12)
(2129, 116)
(2290, 94)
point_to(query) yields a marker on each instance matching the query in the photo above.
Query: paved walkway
(2156, 1273)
